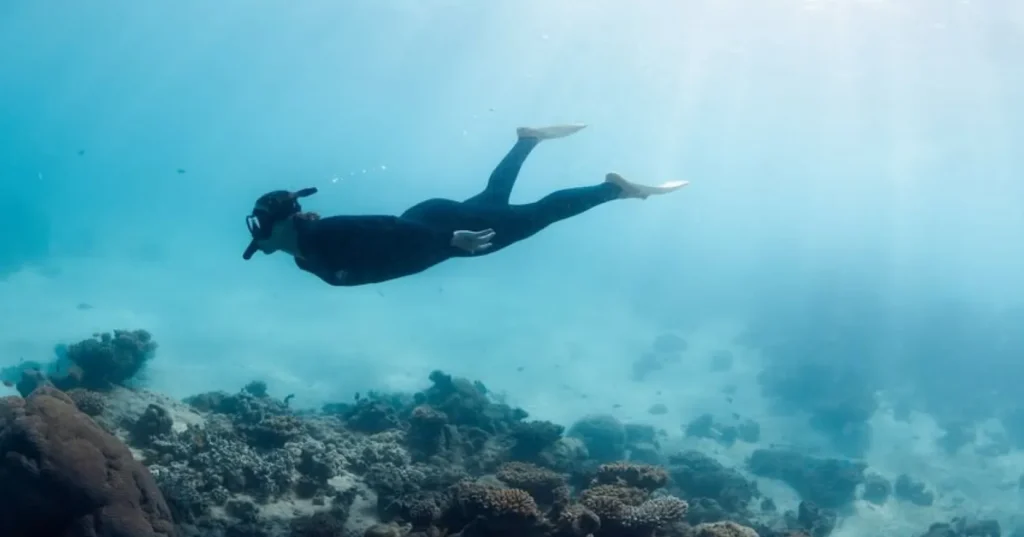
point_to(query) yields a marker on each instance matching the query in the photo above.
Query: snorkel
(270, 209)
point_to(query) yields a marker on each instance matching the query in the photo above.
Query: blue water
(855, 201)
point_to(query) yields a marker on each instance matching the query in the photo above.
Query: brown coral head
(622, 494)
(657, 513)
(529, 477)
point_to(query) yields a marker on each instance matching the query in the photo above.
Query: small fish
(520, 369)
(81, 152)
(84, 307)
(729, 399)
(735, 415)
(181, 171)
(8, 383)
(379, 292)
(616, 405)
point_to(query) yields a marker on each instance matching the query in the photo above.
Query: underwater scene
(468, 268)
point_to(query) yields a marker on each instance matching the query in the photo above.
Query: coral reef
(643, 445)
(449, 460)
(604, 437)
(705, 426)
(836, 395)
(710, 487)
(829, 483)
(964, 527)
(722, 529)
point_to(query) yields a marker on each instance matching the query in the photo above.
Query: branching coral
(626, 510)
(89, 402)
(546, 487)
(722, 529)
(622, 494)
(643, 476)
(512, 506)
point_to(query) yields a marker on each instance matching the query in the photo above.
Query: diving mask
(271, 208)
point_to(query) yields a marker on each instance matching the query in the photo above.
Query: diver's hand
(472, 241)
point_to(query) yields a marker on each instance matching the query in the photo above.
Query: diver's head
(271, 214)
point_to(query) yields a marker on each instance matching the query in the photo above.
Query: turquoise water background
(855, 169)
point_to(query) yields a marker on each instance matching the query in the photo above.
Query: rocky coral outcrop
(99, 364)
(62, 474)
(829, 483)
(712, 489)
(964, 527)
(705, 426)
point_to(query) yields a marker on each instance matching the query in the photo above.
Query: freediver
(350, 250)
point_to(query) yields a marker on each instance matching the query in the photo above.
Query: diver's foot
(637, 191)
(549, 133)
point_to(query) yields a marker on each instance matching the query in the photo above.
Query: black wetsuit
(357, 250)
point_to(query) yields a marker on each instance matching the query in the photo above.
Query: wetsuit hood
(269, 209)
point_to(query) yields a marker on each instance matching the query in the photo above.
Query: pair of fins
(629, 189)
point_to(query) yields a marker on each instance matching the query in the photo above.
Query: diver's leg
(503, 178)
(531, 218)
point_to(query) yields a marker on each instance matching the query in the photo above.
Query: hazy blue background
(855, 165)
